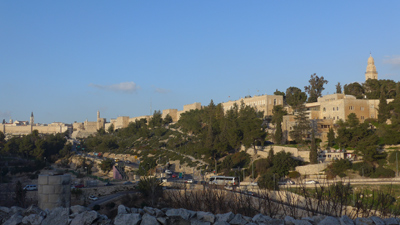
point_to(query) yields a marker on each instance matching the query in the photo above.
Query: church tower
(371, 72)
(32, 120)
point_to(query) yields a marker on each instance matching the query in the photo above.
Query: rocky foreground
(77, 215)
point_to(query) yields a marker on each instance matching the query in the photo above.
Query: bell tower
(32, 120)
(371, 72)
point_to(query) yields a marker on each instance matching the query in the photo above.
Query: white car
(93, 198)
(190, 181)
(30, 187)
(169, 172)
(311, 182)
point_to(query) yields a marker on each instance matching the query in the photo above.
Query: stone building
(262, 103)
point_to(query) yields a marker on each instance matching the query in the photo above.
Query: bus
(224, 180)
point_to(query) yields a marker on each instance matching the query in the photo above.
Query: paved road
(107, 198)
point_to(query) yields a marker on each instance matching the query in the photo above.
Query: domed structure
(371, 72)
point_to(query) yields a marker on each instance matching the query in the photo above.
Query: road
(107, 198)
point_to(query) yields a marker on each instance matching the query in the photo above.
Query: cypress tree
(383, 111)
(313, 151)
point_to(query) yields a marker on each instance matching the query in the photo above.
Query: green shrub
(381, 172)
(293, 174)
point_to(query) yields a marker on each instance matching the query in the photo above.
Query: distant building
(371, 72)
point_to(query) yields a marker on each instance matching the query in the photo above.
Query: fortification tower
(371, 72)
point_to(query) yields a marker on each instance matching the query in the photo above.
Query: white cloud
(126, 87)
(393, 60)
(162, 90)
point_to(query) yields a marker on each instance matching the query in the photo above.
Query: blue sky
(64, 60)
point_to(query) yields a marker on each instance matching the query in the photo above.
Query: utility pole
(252, 171)
(397, 166)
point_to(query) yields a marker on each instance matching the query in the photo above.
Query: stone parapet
(54, 191)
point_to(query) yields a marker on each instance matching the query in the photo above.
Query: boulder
(123, 210)
(77, 209)
(148, 219)
(149, 211)
(329, 220)
(206, 216)
(183, 213)
(226, 217)
(377, 220)
(15, 219)
(345, 220)
(33, 219)
(86, 218)
(363, 221)
(128, 219)
(238, 220)
(276, 222)
(391, 221)
(260, 218)
(57, 216)
(198, 222)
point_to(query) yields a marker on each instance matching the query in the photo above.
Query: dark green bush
(96, 207)
(381, 172)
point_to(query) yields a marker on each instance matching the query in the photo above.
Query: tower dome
(371, 72)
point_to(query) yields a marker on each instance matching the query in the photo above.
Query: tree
(20, 194)
(111, 129)
(331, 137)
(313, 150)
(354, 89)
(266, 181)
(151, 188)
(280, 93)
(167, 120)
(315, 88)
(278, 134)
(106, 165)
(383, 111)
(2, 141)
(295, 97)
(156, 120)
(277, 117)
(302, 127)
(338, 88)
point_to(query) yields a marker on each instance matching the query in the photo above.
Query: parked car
(79, 186)
(169, 172)
(174, 175)
(254, 184)
(93, 198)
(164, 180)
(190, 181)
(290, 182)
(30, 187)
(311, 182)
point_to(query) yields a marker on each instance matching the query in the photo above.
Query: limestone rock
(162, 220)
(221, 223)
(14, 220)
(302, 222)
(159, 213)
(345, 220)
(288, 220)
(329, 220)
(149, 211)
(225, 217)
(276, 222)
(198, 222)
(123, 210)
(85, 218)
(78, 209)
(260, 218)
(128, 219)
(391, 221)
(206, 216)
(238, 220)
(183, 213)
(377, 220)
(33, 219)
(57, 216)
(33, 209)
(364, 221)
(148, 219)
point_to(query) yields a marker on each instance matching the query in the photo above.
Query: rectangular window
(362, 108)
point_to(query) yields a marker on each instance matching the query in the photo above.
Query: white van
(30, 187)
